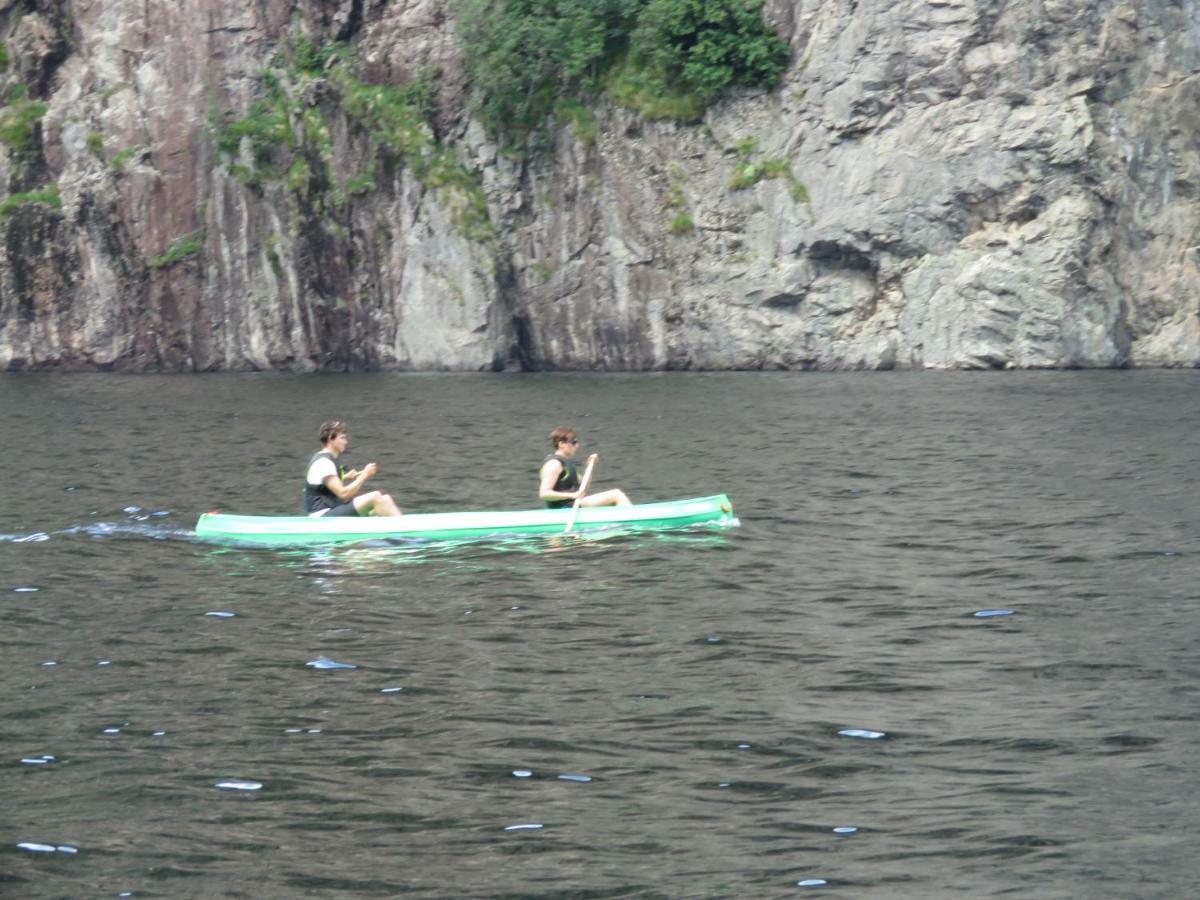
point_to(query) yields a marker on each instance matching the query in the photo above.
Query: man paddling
(560, 482)
(328, 491)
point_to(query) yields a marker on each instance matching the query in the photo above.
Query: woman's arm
(550, 472)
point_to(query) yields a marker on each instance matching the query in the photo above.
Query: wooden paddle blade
(583, 486)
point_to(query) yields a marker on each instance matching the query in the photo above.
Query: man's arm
(349, 490)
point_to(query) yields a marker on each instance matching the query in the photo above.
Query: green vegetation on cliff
(675, 201)
(181, 248)
(664, 58)
(18, 118)
(121, 157)
(47, 196)
(288, 136)
(748, 171)
(683, 53)
(266, 127)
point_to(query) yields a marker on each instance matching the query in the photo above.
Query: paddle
(583, 486)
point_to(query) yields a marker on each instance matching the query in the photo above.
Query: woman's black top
(568, 480)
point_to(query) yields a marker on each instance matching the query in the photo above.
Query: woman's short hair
(330, 430)
(562, 435)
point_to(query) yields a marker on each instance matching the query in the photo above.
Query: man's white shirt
(321, 469)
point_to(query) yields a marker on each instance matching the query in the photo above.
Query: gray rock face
(936, 183)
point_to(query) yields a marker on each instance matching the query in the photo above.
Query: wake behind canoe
(293, 530)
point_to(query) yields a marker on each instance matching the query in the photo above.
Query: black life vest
(318, 496)
(568, 480)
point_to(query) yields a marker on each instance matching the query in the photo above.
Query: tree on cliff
(665, 58)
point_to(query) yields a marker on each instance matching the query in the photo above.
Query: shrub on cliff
(666, 58)
(286, 136)
(19, 118)
(683, 53)
(47, 196)
(521, 55)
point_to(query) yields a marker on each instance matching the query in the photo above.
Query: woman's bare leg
(614, 497)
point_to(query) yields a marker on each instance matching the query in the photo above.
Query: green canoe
(292, 530)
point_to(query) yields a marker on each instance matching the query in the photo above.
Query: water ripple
(700, 680)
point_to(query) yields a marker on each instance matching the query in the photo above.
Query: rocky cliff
(190, 185)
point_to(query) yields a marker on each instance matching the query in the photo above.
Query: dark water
(699, 680)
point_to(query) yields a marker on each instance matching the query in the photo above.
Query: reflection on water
(475, 554)
(948, 653)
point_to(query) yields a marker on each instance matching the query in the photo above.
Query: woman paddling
(560, 482)
(328, 491)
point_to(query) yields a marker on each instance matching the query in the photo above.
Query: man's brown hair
(330, 430)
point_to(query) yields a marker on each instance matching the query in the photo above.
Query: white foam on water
(862, 733)
(991, 613)
(322, 662)
(50, 662)
(67, 848)
(112, 730)
(582, 779)
(158, 734)
(239, 785)
(391, 690)
(104, 662)
(845, 829)
(744, 746)
(812, 882)
(36, 848)
(221, 614)
(314, 731)
(522, 773)
(527, 826)
(25, 590)
(294, 731)
(34, 762)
